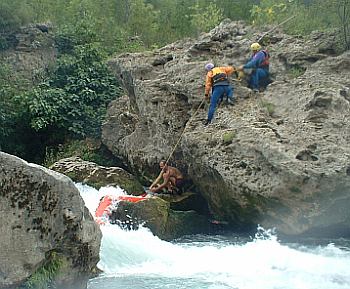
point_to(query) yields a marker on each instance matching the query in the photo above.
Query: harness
(266, 61)
(218, 75)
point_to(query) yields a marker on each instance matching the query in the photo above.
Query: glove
(206, 97)
(240, 75)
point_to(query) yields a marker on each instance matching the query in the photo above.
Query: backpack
(266, 61)
(218, 75)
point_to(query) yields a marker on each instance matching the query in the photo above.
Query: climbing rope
(177, 143)
(183, 131)
(278, 25)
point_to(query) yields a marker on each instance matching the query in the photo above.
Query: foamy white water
(138, 259)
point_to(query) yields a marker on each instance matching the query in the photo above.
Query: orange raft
(104, 208)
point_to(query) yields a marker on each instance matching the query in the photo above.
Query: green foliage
(308, 16)
(74, 99)
(205, 17)
(270, 107)
(135, 25)
(13, 14)
(12, 113)
(85, 149)
(228, 137)
(268, 11)
(236, 10)
(343, 11)
(68, 37)
(43, 277)
(296, 71)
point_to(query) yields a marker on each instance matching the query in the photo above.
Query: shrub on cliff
(74, 98)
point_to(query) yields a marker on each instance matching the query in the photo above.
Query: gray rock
(156, 214)
(44, 219)
(97, 176)
(287, 162)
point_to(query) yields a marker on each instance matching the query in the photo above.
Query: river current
(140, 260)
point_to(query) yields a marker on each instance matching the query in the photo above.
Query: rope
(177, 143)
(280, 24)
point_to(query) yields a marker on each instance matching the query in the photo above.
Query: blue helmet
(209, 66)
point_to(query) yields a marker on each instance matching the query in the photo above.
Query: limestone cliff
(30, 51)
(279, 158)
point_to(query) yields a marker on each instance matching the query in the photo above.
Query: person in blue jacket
(259, 64)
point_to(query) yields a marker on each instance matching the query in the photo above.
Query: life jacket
(218, 75)
(266, 61)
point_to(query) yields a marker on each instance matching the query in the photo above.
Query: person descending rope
(173, 179)
(217, 80)
(259, 63)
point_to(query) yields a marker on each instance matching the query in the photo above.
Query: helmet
(209, 66)
(255, 46)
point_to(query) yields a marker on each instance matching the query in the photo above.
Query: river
(140, 260)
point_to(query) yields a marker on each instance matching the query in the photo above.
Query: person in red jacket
(217, 82)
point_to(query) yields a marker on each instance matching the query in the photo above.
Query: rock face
(97, 176)
(30, 50)
(43, 216)
(279, 158)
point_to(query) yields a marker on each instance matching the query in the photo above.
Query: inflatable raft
(108, 202)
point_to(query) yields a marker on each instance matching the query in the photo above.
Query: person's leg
(256, 78)
(264, 79)
(217, 92)
(229, 92)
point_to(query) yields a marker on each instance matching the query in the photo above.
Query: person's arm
(156, 181)
(255, 61)
(163, 185)
(208, 83)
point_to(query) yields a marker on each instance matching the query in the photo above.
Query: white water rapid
(138, 259)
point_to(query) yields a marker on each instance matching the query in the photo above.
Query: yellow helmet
(255, 46)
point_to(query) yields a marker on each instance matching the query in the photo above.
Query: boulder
(96, 175)
(279, 158)
(155, 213)
(47, 234)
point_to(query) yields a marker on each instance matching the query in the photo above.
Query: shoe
(230, 102)
(206, 122)
(255, 90)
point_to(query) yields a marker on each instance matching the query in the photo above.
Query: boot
(230, 102)
(206, 122)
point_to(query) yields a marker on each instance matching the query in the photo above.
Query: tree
(73, 100)
(343, 9)
(205, 16)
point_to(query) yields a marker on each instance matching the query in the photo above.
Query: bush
(228, 137)
(88, 150)
(270, 107)
(74, 99)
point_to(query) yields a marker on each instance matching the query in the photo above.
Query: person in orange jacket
(217, 81)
